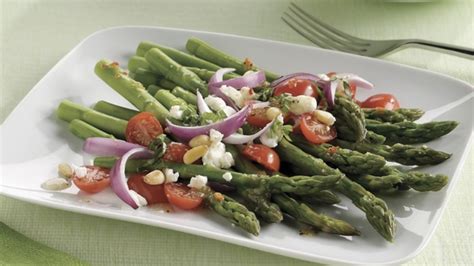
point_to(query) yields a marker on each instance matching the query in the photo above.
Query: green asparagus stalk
(410, 132)
(233, 211)
(152, 89)
(206, 75)
(322, 197)
(400, 153)
(145, 77)
(375, 209)
(130, 89)
(167, 99)
(345, 133)
(187, 96)
(136, 62)
(349, 114)
(83, 130)
(114, 110)
(132, 166)
(348, 161)
(305, 214)
(166, 84)
(393, 116)
(69, 111)
(175, 72)
(203, 50)
(178, 56)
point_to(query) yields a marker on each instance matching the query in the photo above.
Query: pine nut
(56, 184)
(65, 170)
(199, 140)
(195, 154)
(155, 177)
(325, 117)
(272, 113)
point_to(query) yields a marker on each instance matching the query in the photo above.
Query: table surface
(36, 34)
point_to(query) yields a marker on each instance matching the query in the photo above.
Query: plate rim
(229, 238)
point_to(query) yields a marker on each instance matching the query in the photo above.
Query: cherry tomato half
(175, 152)
(382, 100)
(143, 128)
(315, 131)
(182, 196)
(258, 117)
(296, 87)
(263, 155)
(152, 193)
(95, 180)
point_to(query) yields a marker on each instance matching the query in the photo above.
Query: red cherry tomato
(175, 152)
(152, 193)
(382, 100)
(95, 180)
(143, 128)
(182, 196)
(315, 131)
(296, 87)
(258, 117)
(263, 155)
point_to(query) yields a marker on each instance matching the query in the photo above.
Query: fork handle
(443, 47)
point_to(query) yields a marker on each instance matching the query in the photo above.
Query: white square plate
(34, 142)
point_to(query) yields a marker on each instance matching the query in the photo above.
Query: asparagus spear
(376, 210)
(206, 75)
(322, 197)
(393, 116)
(69, 111)
(136, 62)
(410, 132)
(152, 89)
(167, 99)
(130, 89)
(175, 72)
(187, 96)
(145, 77)
(114, 110)
(178, 56)
(166, 84)
(83, 130)
(305, 214)
(349, 114)
(233, 211)
(203, 50)
(348, 161)
(400, 153)
(258, 200)
(345, 133)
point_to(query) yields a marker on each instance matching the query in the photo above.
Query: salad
(213, 131)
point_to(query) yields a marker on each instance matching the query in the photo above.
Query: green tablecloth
(36, 34)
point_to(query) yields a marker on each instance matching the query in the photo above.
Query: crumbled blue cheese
(170, 176)
(215, 103)
(239, 97)
(198, 182)
(216, 155)
(270, 138)
(139, 200)
(227, 176)
(176, 112)
(80, 172)
(303, 104)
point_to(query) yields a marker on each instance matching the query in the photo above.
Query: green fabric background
(36, 34)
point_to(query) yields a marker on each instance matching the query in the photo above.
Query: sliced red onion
(329, 89)
(227, 126)
(299, 75)
(237, 138)
(251, 80)
(201, 104)
(108, 147)
(355, 80)
(118, 178)
(216, 89)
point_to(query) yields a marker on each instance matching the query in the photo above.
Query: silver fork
(326, 36)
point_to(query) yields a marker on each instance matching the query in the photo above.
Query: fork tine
(317, 28)
(331, 29)
(314, 36)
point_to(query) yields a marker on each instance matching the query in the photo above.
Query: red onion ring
(299, 75)
(119, 179)
(216, 90)
(201, 104)
(237, 138)
(227, 127)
